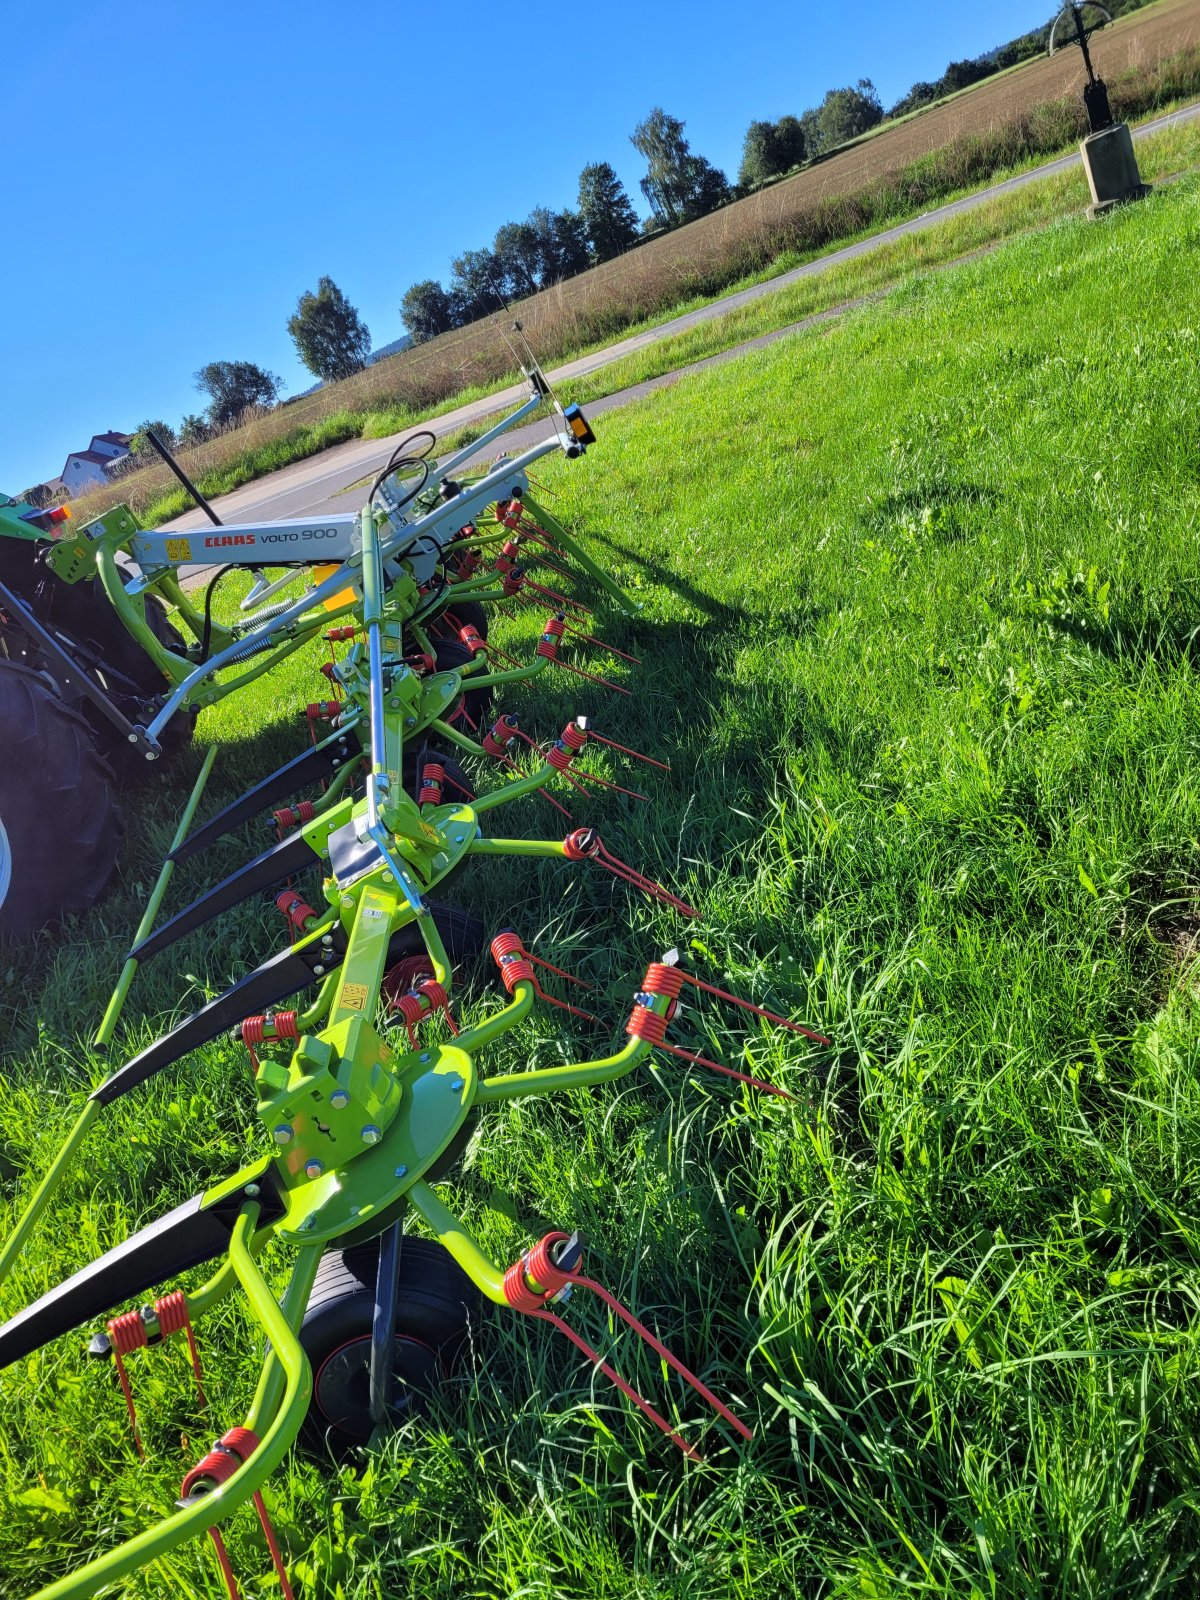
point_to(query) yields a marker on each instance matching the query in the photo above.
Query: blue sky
(175, 176)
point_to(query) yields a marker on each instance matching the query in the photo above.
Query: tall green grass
(920, 602)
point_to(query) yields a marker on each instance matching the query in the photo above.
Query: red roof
(124, 439)
(89, 455)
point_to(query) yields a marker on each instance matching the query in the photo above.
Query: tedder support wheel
(60, 819)
(457, 787)
(461, 931)
(435, 1302)
(464, 613)
(471, 712)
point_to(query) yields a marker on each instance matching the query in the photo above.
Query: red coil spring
(231, 1451)
(509, 513)
(284, 1024)
(663, 979)
(502, 733)
(513, 583)
(646, 1024)
(536, 1265)
(565, 748)
(548, 643)
(127, 1333)
(469, 635)
(172, 1313)
(581, 845)
(339, 635)
(297, 911)
(322, 710)
(292, 816)
(433, 775)
(510, 956)
(410, 1008)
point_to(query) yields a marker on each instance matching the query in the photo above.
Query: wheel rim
(6, 863)
(342, 1386)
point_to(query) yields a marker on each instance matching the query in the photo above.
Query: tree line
(333, 341)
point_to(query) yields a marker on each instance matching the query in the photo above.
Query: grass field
(920, 599)
(1151, 59)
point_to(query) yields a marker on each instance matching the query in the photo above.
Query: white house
(88, 469)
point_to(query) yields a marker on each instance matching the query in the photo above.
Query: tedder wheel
(60, 819)
(471, 712)
(461, 931)
(466, 613)
(435, 1301)
(457, 788)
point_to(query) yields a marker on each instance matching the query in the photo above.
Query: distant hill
(392, 349)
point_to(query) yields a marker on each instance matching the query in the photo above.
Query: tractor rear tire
(435, 1304)
(60, 819)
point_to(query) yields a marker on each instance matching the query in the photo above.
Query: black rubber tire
(84, 610)
(60, 819)
(461, 931)
(452, 656)
(466, 613)
(435, 1304)
(457, 788)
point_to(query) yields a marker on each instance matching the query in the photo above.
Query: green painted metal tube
(555, 528)
(461, 1244)
(484, 1033)
(489, 680)
(460, 739)
(116, 1005)
(211, 1508)
(552, 848)
(322, 1005)
(167, 585)
(516, 1085)
(514, 789)
(46, 1188)
(273, 1379)
(174, 667)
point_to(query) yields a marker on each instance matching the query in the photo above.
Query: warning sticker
(179, 549)
(354, 996)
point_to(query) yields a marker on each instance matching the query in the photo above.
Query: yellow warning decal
(354, 996)
(179, 549)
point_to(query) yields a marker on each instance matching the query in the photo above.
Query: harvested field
(1032, 107)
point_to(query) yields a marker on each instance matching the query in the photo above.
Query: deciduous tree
(426, 310)
(331, 338)
(233, 387)
(475, 287)
(141, 446)
(678, 185)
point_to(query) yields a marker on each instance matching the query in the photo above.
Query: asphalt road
(320, 483)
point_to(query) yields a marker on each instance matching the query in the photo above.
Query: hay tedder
(367, 1085)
